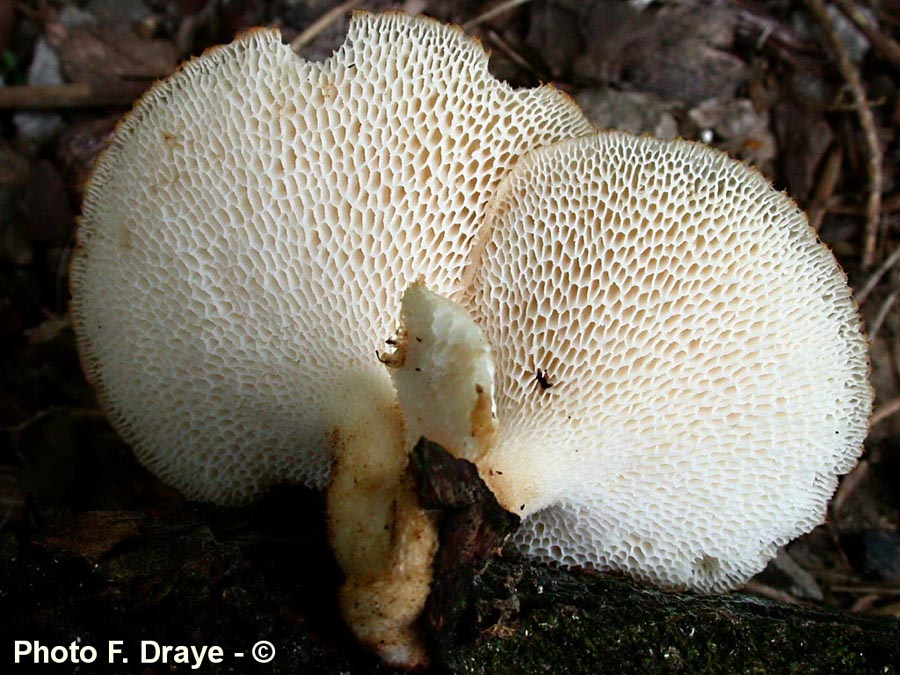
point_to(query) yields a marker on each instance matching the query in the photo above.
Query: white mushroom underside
(247, 237)
(708, 368)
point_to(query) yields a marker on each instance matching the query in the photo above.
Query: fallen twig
(888, 205)
(847, 488)
(491, 13)
(496, 40)
(756, 26)
(828, 179)
(886, 306)
(867, 123)
(881, 43)
(865, 589)
(873, 280)
(765, 591)
(313, 30)
(889, 409)
(70, 95)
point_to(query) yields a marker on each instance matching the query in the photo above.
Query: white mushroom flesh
(444, 375)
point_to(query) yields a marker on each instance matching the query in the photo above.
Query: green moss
(579, 623)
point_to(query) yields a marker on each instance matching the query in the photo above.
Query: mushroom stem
(383, 541)
(382, 605)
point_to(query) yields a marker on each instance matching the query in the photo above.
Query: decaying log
(199, 575)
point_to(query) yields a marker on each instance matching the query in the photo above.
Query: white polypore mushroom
(244, 245)
(682, 374)
(248, 234)
(674, 360)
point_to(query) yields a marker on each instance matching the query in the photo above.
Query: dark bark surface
(473, 526)
(197, 575)
(549, 620)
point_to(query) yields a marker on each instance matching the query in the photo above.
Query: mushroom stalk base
(442, 372)
(384, 542)
(383, 607)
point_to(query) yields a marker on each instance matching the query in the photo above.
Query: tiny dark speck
(522, 508)
(418, 339)
(418, 370)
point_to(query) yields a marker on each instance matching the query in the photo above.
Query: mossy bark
(556, 621)
(230, 577)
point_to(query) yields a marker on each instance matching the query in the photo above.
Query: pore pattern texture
(708, 371)
(247, 237)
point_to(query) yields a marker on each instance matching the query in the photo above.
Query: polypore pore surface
(706, 364)
(248, 234)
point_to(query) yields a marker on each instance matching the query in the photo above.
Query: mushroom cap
(248, 234)
(707, 365)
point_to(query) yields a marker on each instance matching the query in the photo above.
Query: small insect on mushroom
(543, 380)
